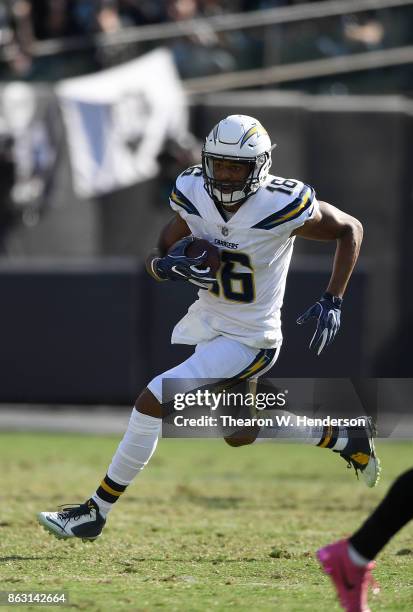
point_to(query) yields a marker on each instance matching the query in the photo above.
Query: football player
(349, 562)
(233, 201)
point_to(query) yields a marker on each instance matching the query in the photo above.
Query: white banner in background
(117, 121)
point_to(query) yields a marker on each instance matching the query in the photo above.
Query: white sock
(341, 440)
(104, 506)
(356, 557)
(301, 433)
(133, 453)
(282, 430)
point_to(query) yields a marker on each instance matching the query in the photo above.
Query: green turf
(204, 527)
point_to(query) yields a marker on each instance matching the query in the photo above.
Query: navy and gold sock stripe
(329, 437)
(109, 490)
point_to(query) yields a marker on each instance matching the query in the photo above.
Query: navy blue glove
(327, 310)
(177, 266)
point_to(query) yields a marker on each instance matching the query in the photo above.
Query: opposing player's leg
(220, 358)
(349, 562)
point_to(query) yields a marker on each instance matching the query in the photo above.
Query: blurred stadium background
(103, 103)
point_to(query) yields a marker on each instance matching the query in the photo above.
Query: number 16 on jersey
(235, 286)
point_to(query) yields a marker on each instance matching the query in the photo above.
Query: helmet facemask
(230, 193)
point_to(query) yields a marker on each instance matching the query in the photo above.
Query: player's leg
(134, 451)
(334, 438)
(355, 444)
(217, 359)
(395, 510)
(138, 444)
(349, 562)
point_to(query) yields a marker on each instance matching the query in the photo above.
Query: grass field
(204, 527)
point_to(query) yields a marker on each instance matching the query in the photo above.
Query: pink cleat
(351, 581)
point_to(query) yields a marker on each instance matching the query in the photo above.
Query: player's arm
(330, 223)
(166, 263)
(176, 229)
(173, 231)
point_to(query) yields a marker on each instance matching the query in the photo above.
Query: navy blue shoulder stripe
(290, 212)
(179, 198)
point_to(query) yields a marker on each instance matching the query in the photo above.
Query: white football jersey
(256, 248)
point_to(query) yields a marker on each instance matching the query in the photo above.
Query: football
(200, 245)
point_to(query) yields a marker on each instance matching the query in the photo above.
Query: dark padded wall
(72, 333)
(347, 355)
(357, 162)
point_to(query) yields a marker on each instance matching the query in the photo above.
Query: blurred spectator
(17, 36)
(50, 19)
(108, 18)
(209, 8)
(27, 156)
(180, 10)
(142, 12)
(202, 53)
(64, 18)
(366, 33)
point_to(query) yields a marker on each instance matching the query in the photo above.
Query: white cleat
(360, 452)
(83, 521)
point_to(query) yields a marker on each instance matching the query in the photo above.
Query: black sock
(109, 490)
(388, 518)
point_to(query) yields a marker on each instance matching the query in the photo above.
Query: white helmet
(237, 138)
